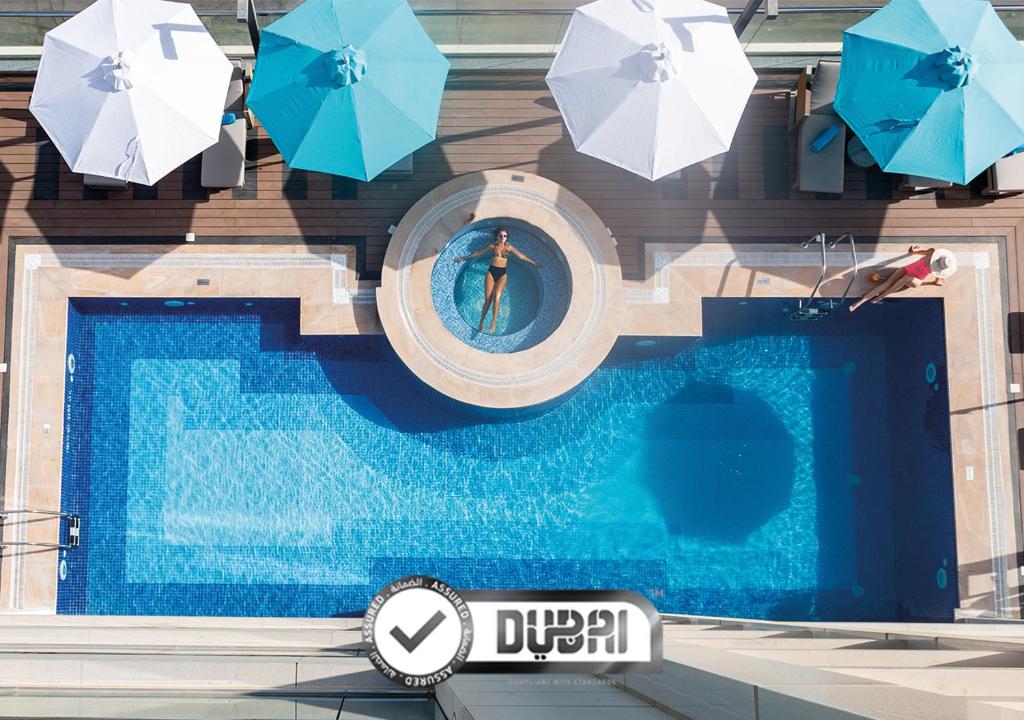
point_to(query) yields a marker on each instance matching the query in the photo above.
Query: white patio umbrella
(131, 89)
(651, 85)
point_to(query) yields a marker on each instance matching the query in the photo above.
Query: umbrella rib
(65, 48)
(367, 41)
(171, 111)
(996, 102)
(596, 128)
(430, 133)
(316, 116)
(704, 118)
(615, 30)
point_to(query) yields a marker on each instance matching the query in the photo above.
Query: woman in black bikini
(496, 277)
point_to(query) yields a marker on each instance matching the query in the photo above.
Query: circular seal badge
(418, 631)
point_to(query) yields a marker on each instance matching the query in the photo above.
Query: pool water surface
(533, 303)
(225, 465)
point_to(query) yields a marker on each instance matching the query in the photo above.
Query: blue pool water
(519, 301)
(534, 300)
(225, 465)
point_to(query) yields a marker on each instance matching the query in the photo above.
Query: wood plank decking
(744, 195)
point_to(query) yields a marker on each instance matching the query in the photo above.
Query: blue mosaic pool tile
(224, 464)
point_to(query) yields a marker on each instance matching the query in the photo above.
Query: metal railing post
(246, 12)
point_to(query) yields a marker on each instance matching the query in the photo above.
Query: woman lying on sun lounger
(932, 268)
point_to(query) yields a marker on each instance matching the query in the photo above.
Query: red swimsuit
(919, 269)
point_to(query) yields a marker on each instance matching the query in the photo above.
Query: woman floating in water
(496, 277)
(932, 268)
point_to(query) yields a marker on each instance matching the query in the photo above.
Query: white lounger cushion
(1007, 175)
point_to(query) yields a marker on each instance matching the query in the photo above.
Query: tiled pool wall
(74, 489)
(924, 529)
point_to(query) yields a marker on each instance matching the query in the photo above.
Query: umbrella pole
(750, 9)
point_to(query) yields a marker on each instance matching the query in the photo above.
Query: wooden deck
(743, 196)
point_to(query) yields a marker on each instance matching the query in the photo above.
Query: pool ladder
(813, 307)
(74, 529)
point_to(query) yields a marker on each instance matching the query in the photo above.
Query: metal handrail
(820, 237)
(856, 264)
(73, 529)
(58, 513)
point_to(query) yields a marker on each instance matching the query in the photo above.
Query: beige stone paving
(684, 282)
(528, 377)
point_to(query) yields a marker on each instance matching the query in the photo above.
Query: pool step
(115, 671)
(226, 636)
(169, 706)
(179, 640)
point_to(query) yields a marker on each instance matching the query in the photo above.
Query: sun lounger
(99, 181)
(919, 183)
(823, 171)
(401, 170)
(1006, 176)
(224, 162)
(823, 87)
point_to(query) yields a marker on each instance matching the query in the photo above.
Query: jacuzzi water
(519, 302)
(225, 465)
(534, 300)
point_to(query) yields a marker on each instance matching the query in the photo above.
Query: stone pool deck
(315, 669)
(667, 303)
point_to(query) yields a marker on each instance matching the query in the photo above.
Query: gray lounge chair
(103, 183)
(401, 170)
(224, 162)
(919, 183)
(1006, 176)
(823, 171)
(824, 83)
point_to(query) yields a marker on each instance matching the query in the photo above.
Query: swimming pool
(225, 465)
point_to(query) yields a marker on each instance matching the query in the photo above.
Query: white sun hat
(943, 263)
(131, 89)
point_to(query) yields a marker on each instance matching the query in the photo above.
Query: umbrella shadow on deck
(746, 196)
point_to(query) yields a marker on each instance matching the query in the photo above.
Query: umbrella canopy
(348, 87)
(131, 89)
(651, 85)
(933, 87)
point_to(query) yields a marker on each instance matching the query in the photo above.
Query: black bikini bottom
(497, 272)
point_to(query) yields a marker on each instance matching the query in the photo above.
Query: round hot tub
(534, 300)
(555, 324)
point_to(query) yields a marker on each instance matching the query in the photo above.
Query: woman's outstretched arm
(522, 256)
(478, 253)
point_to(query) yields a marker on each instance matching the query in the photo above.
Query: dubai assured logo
(419, 631)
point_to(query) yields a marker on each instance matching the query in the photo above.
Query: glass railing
(484, 28)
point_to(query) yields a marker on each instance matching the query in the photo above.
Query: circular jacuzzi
(555, 324)
(534, 300)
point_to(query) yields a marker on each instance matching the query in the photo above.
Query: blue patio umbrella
(933, 87)
(348, 87)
